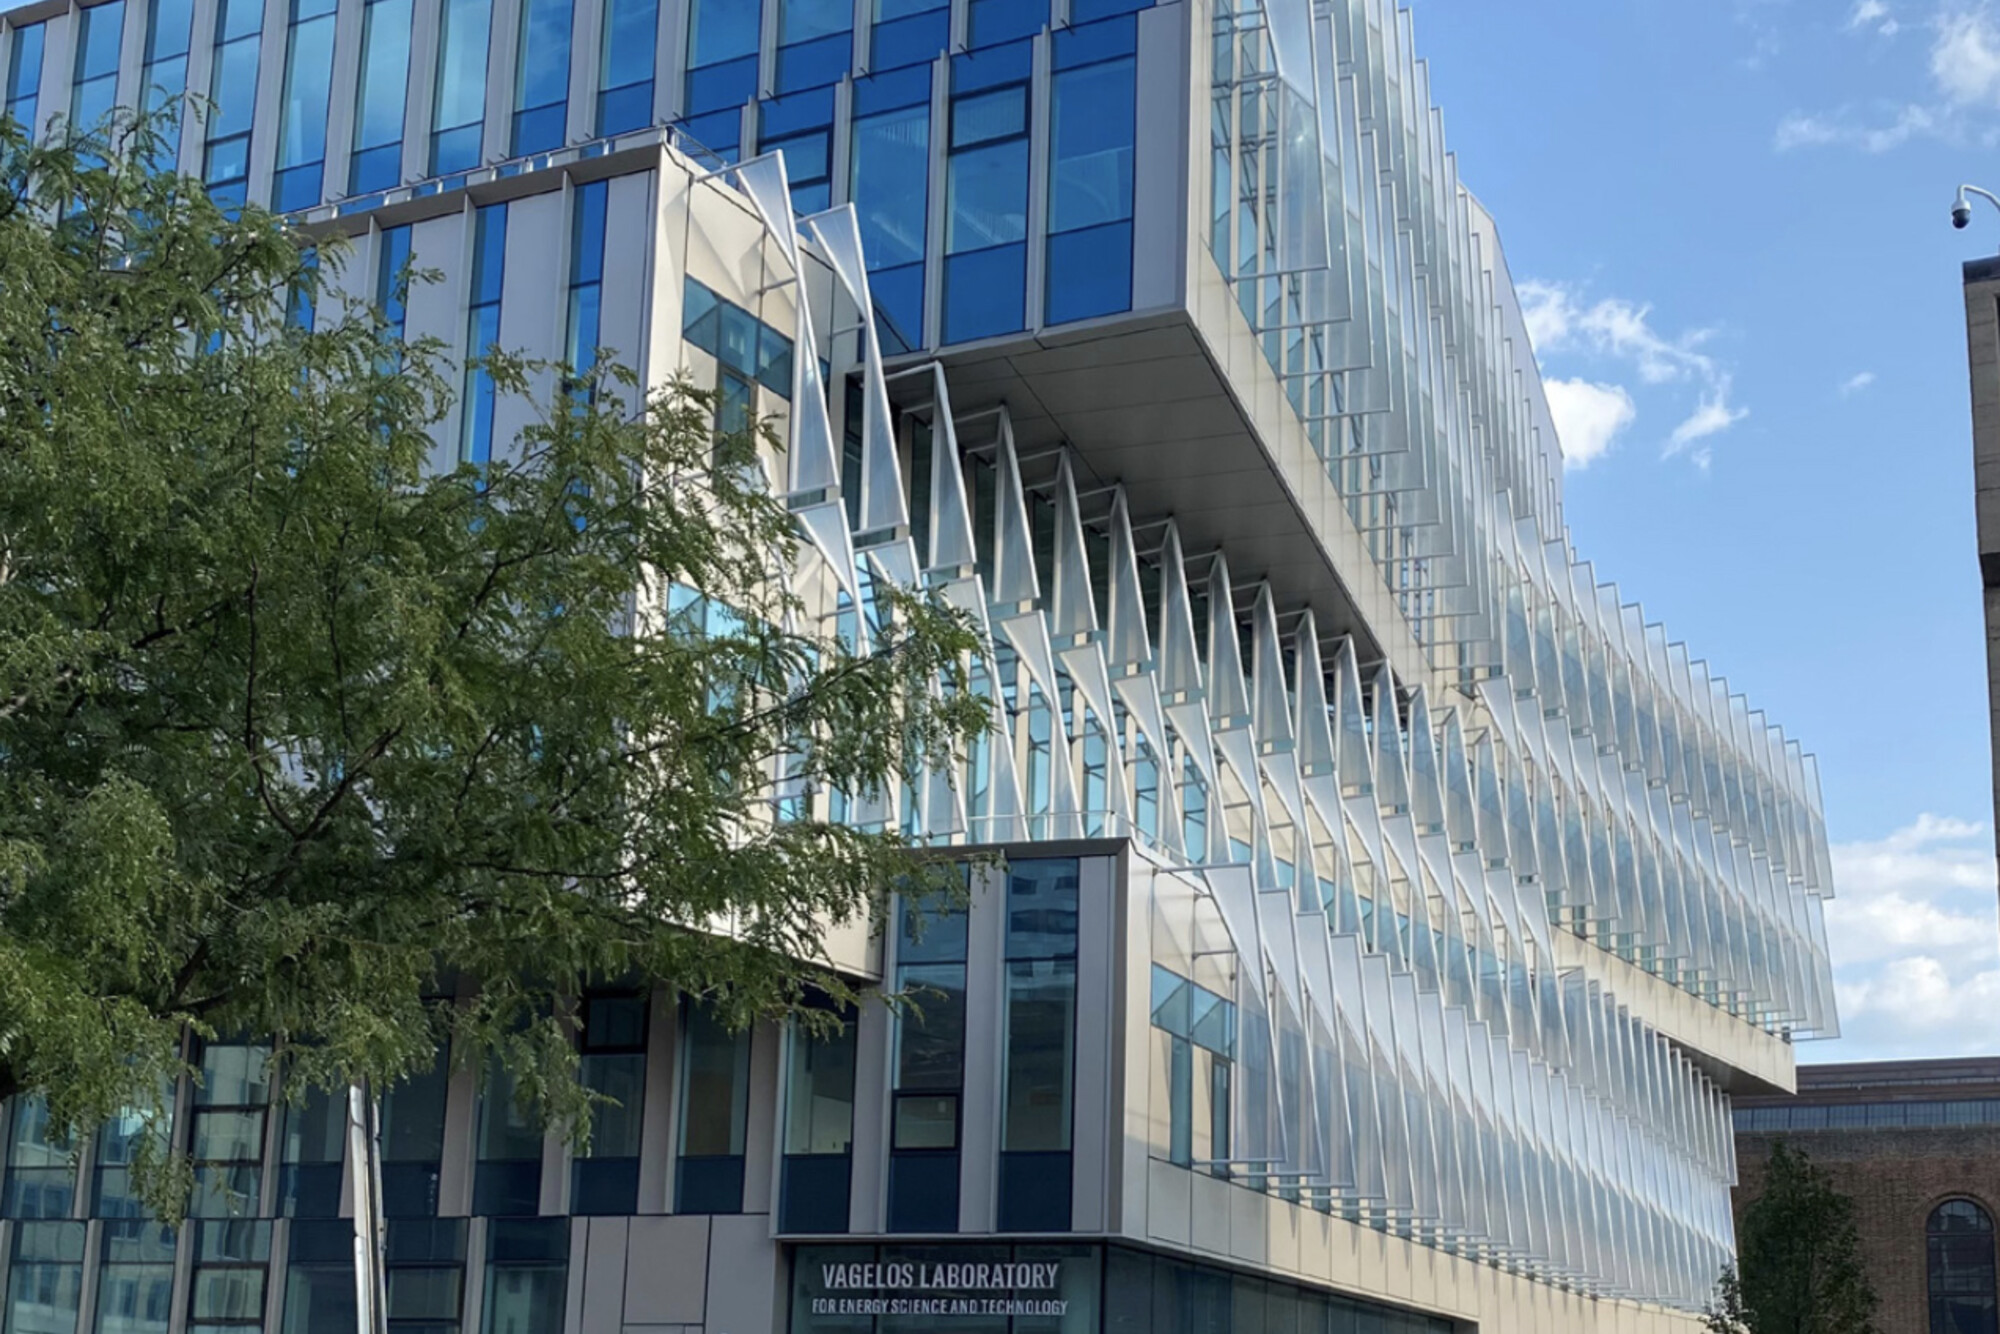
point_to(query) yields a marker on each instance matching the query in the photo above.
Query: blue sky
(1730, 223)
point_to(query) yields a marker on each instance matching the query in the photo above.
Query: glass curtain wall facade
(1445, 911)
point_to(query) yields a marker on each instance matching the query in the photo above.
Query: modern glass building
(1391, 908)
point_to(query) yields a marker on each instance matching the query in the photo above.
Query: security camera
(1961, 215)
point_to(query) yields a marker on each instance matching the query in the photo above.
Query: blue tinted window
(163, 78)
(800, 126)
(916, 35)
(625, 71)
(719, 87)
(24, 72)
(1094, 42)
(720, 133)
(482, 331)
(232, 89)
(988, 196)
(889, 183)
(169, 29)
(458, 116)
(996, 66)
(394, 257)
(806, 20)
(380, 96)
(541, 76)
(302, 119)
(721, 30)
(100, 29)
(991, 21)
(1090, 191)
(586, 275)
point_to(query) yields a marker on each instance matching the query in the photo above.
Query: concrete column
(979, 1112)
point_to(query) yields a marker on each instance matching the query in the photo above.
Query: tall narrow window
(1090, 173)
(714, 1115)
(527, 1272)
(458, 114)
(227, 1130)
(314, 1141)
(889, 178)
(541, 76)
(302, 118)
(319, 1277)
(801, 127)
(722, 69)
(586, 277)
(100, 30)
(611, 1039)
(40, 1182)
(390, 273)
(163, 78)
(1038, 1067)
(121, 1141)
(24, 73)
(380, 97)
(45, 1278)
(815, 43)
(1959, 1257)
(625, 65)
(482, 332)
(135, 1277)
(413, 1142)
(424, 1272)
(986, 195)
(507, 1179)
(231, 1262)
(929, 1072)
(232, 89)
(909, 32)
(819, 1130)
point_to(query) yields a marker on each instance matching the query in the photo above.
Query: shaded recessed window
(1958, 1244)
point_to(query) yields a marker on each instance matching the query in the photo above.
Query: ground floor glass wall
(1042, 1288)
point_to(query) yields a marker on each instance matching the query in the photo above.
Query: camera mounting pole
(1961, 210)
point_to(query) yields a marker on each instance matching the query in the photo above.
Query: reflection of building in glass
(1916, 1146)
(1391, 909)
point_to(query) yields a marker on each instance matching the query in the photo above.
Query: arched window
(1959, 1245)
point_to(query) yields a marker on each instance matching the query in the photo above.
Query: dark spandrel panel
(508, 1187)
(319, 1298)
(1084, 11)
(813, 1193)
(711, 1185)
(923, 1192)
(1034, 1192)
(425, 1241)
(528, 1241)
(719, 87)
(815, 64)
(409, 1190)
(972, 71)
(375, 169)
(892, 90)
(990, 22)
(320, 1241)
(1090, 273)
(899, 307)
(983, 293)
(915, 40)
(626, 108)
(604, 1186)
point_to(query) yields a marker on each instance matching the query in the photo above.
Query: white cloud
(1840, 130)
(1590, 413)
(1913, 935)
(1589, 417)
(1854, 384)
(1965, 58)
(1873, 15)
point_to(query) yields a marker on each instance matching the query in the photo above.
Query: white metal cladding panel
(437, 309)
(631, 269)
(533, 303)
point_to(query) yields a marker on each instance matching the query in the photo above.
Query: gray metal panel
(532, 304)
(1041, 126)
(742, 1298)
(603, 1264)
(585, 44)
(656, 1118)
(340, 99)
(985, 1051)
(760, 1133)
(630, 225)
(1160, 201)
(1093, 1131)
(872, 1076)
(426, 22)
(474, 1304)
(666, 1270)
(58, 68)
(437, 310)
(270, 96)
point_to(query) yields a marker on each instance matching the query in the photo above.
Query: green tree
(1799, 1265)
(296, 732)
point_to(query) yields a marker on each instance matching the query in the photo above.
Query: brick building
(1916, 1144)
